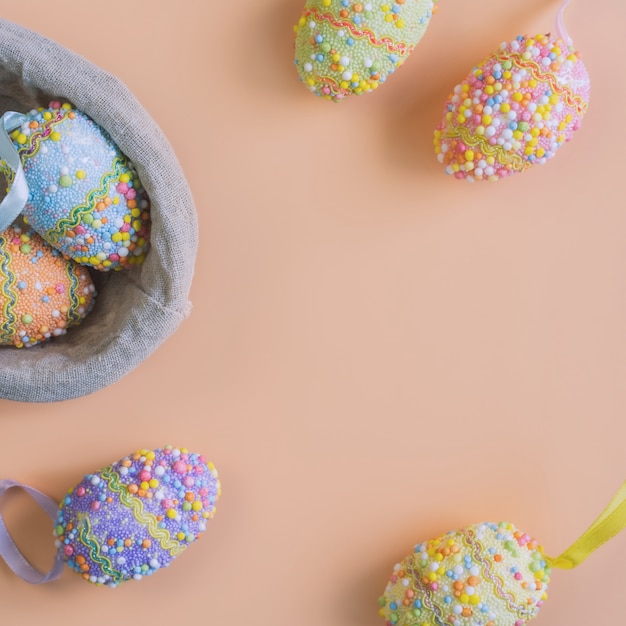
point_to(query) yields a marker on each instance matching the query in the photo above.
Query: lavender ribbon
(15, 200)
(561, 31)
(10, 552)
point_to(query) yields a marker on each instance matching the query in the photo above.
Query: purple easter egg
(135, 516)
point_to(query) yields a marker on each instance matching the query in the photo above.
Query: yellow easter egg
(486, 574)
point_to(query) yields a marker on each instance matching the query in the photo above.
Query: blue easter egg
(85, 197)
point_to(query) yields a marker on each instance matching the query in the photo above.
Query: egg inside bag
(485, 575)
(41, 293)
(514, 110)
(347, 48)
(84, 196)
(137, 515)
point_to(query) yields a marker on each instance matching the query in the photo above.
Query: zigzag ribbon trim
(162, 535)
(75, 216)
(498, 152)
(335, 89)
(34, 141)
(428, 600)
(387, 42)
(7, 329)
(88, 540)
(73, 315)
(548, 77)
(477, 549)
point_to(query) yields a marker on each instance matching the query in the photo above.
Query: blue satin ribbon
(16, 198)
(11, 553)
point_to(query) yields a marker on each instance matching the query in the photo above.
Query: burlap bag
(137, 309)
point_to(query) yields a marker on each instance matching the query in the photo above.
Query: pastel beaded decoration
(486, 574)
(514, 110)
(83, 195)
(488, 571)
(127, 520)
(348, 48)
(41, 293)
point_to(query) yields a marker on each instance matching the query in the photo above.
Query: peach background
(377, 353)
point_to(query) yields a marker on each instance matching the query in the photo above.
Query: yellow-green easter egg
(484, 575)
(349, 48)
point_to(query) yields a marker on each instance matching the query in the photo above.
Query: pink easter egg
(514, 110)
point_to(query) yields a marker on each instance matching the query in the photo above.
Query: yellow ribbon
(611, 521)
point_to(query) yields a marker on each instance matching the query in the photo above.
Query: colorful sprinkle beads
(135, 516)
(85, 197)
(41, 293)
(487, 575)
(513, 111)
(344, 47)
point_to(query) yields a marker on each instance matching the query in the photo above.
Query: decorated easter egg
(137, 515)
(41, 293)
(514, 110)
(85, 197)
(487, 574)
(344, 47)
